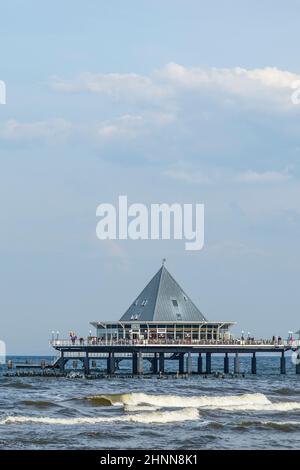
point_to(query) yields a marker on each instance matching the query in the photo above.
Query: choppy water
(256, 412)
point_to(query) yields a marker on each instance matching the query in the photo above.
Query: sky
(162, 101)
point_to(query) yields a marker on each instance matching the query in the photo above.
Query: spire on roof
(163, 300)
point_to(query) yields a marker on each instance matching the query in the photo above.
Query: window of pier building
(159, 331)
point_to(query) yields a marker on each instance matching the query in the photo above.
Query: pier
(162, 325)
(159, 355)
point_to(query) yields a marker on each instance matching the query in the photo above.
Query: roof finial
(163, 261)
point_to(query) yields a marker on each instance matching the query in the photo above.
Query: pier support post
(86, 364)
(236, 363)
(181, 363)
(111, 364)
(134, 363)
(139, 363)
(161, 361)
(62, 362)
(298, 364)
(208, 363)
(226, 364)
(253, 363)
(189, 364)
(154, 364)
(199, 368)
(282, 363)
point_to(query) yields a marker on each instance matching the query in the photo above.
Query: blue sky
(165, 101)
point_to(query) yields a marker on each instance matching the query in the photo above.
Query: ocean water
(251, 412)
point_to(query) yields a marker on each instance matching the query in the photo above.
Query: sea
(259, 411)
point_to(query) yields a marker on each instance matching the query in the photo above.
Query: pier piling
(298, 364)
(161, 361)
(226, 364)
(208, 362)
(86, 364)
(200, 363)
(253, 363)
(282, 363)
(189, 364)
(111, 364)
(61, 362)
(139, 363)
(236, 363)
(154, 364)
(134, 363)
(181, 363)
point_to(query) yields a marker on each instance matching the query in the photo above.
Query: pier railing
(165, 341)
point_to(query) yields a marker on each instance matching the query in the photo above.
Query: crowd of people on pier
(93, 340)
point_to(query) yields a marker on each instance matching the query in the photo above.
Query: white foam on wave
(246, 402)
(158, 417)
(280, 406)
(176, 401)
(135, 408)
(286, 426)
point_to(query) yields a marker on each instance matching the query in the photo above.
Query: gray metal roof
(163, 300)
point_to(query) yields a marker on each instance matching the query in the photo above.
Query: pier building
(163, 324)
(162, 313)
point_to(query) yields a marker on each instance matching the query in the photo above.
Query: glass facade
(160, 332)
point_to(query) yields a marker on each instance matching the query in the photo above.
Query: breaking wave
(247, 401)
(153, 417)
(285, 426)
(176, 401)
(38, 403)
(140, 407)
(280, 406)
(284, 391)
(18, 385)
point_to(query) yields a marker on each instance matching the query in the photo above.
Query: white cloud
(117, 85)
(264, 85)
(127, 126)
(270, 201)
(130, 126)
(192, 174)
(235, 80)
(251, 176)
(233, 248)
(38, 130)
(122, 128)
(186, 120)
(189, 175)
